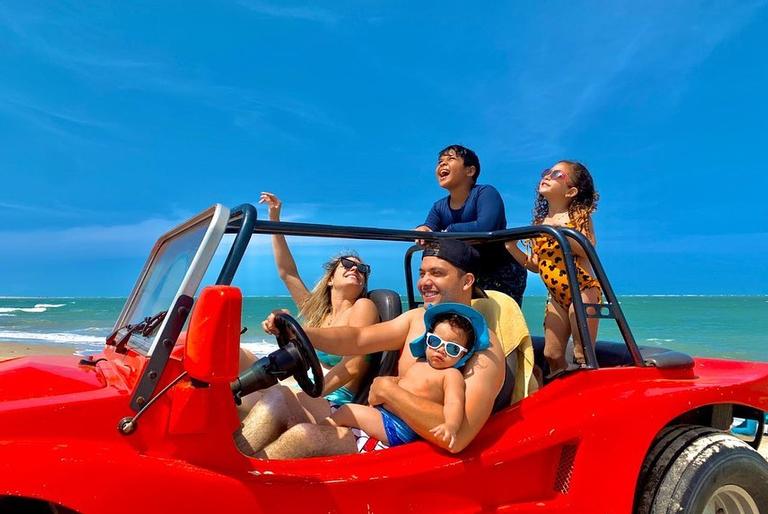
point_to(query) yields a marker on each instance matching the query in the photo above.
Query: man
(446, 275)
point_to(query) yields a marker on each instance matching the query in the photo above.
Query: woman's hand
(268, 325)
(274, 204)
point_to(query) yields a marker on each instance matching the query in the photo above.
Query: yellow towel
(504, 317)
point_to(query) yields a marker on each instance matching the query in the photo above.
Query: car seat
(390, 306)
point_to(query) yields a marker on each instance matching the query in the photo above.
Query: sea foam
(260, 348)
(39, 307)
(22, 309)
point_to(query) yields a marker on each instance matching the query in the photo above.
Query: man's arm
(389, 335)
(483, 377)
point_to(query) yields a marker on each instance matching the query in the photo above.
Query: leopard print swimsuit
(552, 270)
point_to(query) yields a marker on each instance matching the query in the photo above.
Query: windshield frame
(217, 216)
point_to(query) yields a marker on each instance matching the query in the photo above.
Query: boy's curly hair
(582, 205)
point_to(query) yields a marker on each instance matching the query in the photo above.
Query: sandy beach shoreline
(11, 350)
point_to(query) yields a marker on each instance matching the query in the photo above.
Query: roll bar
(244, 224)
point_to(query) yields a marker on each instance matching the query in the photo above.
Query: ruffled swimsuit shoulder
(552, 270)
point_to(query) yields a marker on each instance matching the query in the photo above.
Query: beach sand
(11, 350)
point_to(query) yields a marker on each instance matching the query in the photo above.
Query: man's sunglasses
(348, 264)
(451, 349)
(554, 174)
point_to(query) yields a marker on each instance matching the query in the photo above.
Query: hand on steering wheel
(268, 325)
(290, 332)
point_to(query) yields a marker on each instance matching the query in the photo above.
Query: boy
(454, 332)
(470, 207)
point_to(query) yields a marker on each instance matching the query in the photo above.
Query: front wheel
(714, 473)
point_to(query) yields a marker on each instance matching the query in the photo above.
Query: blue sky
(118, 120)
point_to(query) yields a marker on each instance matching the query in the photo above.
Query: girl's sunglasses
(348, 264)
(451, 349)
(554, 174)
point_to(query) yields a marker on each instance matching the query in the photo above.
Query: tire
(670, 443)
(706, 471)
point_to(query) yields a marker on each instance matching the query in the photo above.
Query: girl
(566, 197)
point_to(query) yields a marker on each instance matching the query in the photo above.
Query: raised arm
(483, 377)
(286, 265)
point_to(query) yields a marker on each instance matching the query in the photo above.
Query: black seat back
(390, 306)
(611, 354)
(504, 398)
(388, 302)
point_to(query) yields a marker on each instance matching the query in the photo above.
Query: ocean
(716, 326)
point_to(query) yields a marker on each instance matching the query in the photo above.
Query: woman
(337, 300)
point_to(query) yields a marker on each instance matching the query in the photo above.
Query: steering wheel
(289, 331)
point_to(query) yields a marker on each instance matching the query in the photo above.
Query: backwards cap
(458, 253)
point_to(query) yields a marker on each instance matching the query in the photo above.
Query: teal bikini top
(328, 359)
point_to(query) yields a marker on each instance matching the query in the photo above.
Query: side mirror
(212, 350)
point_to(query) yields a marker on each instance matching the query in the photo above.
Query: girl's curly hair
(582, 205)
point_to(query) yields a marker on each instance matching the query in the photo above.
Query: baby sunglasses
(348, 264)
(451, 349)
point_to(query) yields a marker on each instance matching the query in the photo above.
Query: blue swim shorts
(398, 432)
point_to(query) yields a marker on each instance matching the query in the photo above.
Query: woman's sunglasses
(451, 349)
(348, 264)
(554, 174)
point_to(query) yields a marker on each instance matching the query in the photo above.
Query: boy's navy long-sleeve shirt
(482, 211)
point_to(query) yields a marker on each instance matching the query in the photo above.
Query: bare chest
(423, 381)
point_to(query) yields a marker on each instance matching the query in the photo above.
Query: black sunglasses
(348, 264)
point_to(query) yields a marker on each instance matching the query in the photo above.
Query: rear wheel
(701, 470)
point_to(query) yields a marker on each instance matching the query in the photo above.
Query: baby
(454, 332)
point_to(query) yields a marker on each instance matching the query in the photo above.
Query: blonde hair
(316, 308)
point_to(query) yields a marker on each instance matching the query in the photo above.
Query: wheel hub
(731, 499)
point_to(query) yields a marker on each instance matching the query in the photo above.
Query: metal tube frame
(243, 222)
